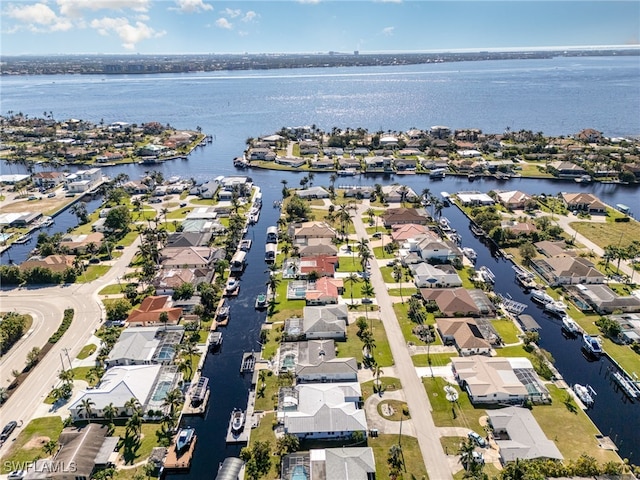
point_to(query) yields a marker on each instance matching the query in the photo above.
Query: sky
(47, 27)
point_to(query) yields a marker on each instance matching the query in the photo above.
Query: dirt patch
(43, 205)
(36, 442)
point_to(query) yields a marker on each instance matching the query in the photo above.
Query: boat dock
(197, 398)
(249, 422)
(249, 360)
(173, 461)
(627, 386)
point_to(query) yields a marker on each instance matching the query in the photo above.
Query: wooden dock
(174, 462)
(249, 422)
(200, 409)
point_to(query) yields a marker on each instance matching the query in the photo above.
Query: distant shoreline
(191, 63)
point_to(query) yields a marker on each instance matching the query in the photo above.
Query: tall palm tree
(370, 213)
(352, 278)
(367, 292)
(66, 376)
(172, 400)
(394, 460)
(110, 412)
(189, 349)
(368, 344)
(397, 276)
(86, 406)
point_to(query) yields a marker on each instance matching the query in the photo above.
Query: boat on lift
(570, 326)
(541, 297)
(592, 345)
(470, 253)
(184, 439)
(486, 275)
(556, 308)
(585, 393)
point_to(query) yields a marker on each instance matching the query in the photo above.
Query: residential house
(262, 154)
(440, 132)
(322, 410)
(629, 326)
(313, 192)
(188, 239)
(498, 380)
(326, 163)
(584, 202)
(568, 271)
(519, 228)
(325, 322)
(404, 232)
(328, 371)
(325, 290)
(398, 193)
(464, 334)
(78, 244)
(304, 353)
(426, 275)
(121, 384)
(400, 216)
(514, 199)
(351, 163)
(344, 463)
(440, 251)
(317, 247)
(82, 451)
(519, 437)
(358, 191)
(301, 233)
(168, 280)
(146, 346)
(456, 302)
(322, 265)
(136, 187)
(590, 135)
(564, 169)
(605, 301)
(554, 249)
(47, 179)
(475, 198)
(55, 263)
(148, 313)
(377, 163)
(189, 257)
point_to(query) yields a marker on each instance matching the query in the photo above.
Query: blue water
(558, 96)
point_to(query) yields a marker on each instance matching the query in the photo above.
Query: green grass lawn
(603, 234)
(405, 292)
(465, 275)
(437, 359)
(350, 264)
(387, 274)
(353, 289)
(413, 461)
(80, 373)
(179, 213)
(45, 429)
(461, 414)
(533, 170)
(379, 252)
(264, 433)
(86, 351)
(285, 308)
(353, 346)
(270, 347)
(407, 325)
(388, 384)
(112, 289)
(92, 273)
(267, 398)
(506, 329)
(141, 450)
(623, 354)
(571, 429)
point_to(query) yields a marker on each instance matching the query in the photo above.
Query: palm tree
(190, 349)
(66, 376)
(466, 455)
(370, 213)
(394, 460)
(397, 276)
(352, 279)
(132, 405)
(110, 413)
(50, 447)
(368, 344)
(173, 399)
(86, 406)
(272, 283)
(367, 292)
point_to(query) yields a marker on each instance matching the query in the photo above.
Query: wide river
(557, 96)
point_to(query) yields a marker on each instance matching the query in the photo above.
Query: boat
(583, 179)
(223, 310)
(215, 340)
(199, 391)
(570, 326)
(592, 344)
(471, 177)
(486, 275)
(184, 438)
(46, 222)
(232, 285)
(626, 385)
(470, 253)
(438, 173)
(245, 245)
(238, 262)
(23, 238)
(444, 224)
(261, 301)
(585, 393)
(477, 231)
(237, 420)
(556, 308)
(524, 278)
(347, 172)
(541, 297)
(446, 198)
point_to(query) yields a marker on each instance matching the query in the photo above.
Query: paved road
(48, 304)
(426, 432)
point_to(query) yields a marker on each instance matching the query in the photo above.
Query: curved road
(416, 396)
(47, 305)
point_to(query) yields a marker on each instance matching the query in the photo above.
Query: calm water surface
(556, 96)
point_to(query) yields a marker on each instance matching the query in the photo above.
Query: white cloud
(38, 17)
(232, 13)
(128, 33)
(192, 6)
(75, 8)
(224, 23)
(249, 16)
(388, 31)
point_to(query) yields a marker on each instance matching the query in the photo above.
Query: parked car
(7, 430)
(478, 457)
(377, 235)
(51, 195)
(481, 442)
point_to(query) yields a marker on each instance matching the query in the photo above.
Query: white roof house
(325, 321)
(426, 275)
(118, 386)
(475, 198)
(354, 463)
(322, 410)
(145, 345)
(519, 436)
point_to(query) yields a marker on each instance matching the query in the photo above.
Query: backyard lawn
(28, 445)
(353, 346)
(506, 329)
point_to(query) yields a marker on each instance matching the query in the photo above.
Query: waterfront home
(323, 163)
(304, 353)
(309, 147)
(82, 451)
(148, 313)
(344, 463)
(584, 202)
(629, 326)
(475, 199)
(168, 280)
(357, 191)
(190, 257)
(554, 249)
(302, 232)
(262, 154)
(563, 169)
(188, 239)
(324, 322)
(55, 263)
(78, 244)
(377, 163)
(204, 213)
(351, 163)
(47, 179)
(321, 410)
(404, 232)
(464, 334)
(440, 251)
(155, 345)
(402, 215)
(312, 192)
(398, 193)
(322, 265)
(145, 383)
(324, 291)
(498, 380)
(426, 275)
(567, 270)
(328, 371)
(514, 199)
(136, 187)
(519, 437)
(519, 228)
(604, 300)
(454, 302)
(316, 247)
(440, 132)
(294, 162)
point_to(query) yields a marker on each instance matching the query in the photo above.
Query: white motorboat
(542, 297)
(486, 275)
(232, 285)
(585, 393)
(470, 253)
(570, 326)
(592, 345)
(556, 308)
(237, 421)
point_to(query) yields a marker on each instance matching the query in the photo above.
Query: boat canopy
(230, 469)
